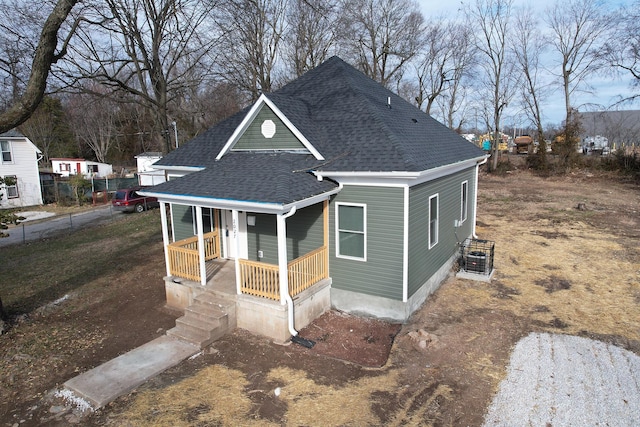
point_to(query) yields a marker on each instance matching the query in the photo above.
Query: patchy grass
(558, 269)
(42, 272)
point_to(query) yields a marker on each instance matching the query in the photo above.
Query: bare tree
(529, 46)
(622, 50)
(453, 102)
(46, 53)
(48, 129)
(311, 36)
(578, 29)
(251, 48)
(382, 36)
(434, 69)
(492, 19)
(146, 48)
(93, 119)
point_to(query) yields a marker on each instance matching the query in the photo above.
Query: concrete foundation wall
(259, 315)
(385, 308)
(270, 318)
(179, 295)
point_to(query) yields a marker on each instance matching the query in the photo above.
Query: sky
(607, 90)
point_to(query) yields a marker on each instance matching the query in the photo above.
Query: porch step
(206, 320)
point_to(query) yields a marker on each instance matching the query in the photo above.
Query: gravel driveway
(562, 380)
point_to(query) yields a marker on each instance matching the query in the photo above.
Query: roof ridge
(377, 114)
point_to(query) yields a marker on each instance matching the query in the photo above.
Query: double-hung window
(11, 186)
(351, 231)
(464, 201)
(5, 150)
(433, 220)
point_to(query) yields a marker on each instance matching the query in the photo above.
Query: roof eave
(241, 205)
(399, 177)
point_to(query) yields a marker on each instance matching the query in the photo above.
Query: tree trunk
(44, 57)
(3, 315)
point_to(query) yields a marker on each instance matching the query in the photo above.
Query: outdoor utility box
(476, 261)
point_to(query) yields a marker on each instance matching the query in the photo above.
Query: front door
(234, 233)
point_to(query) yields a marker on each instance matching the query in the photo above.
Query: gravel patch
(562, 380)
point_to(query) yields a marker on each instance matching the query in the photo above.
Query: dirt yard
(567, 261)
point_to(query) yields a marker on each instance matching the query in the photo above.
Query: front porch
(259, 279)
(262, 292)
(258, 314)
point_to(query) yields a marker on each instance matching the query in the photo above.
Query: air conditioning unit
(477, 256)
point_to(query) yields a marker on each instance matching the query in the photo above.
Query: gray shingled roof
(280, 178)
(13, 133)
(345, 115)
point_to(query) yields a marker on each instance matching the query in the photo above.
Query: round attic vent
(268, 128)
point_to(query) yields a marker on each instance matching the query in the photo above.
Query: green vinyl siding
(381, 273)
(304, 234)
(424, 262)
(182, 220)
(252, 138)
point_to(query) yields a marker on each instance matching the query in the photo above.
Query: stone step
(206, 320)
(193, 336)
(207, 313)
(197, 324)
(208, 298)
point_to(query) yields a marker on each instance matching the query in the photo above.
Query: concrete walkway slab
(119, 376)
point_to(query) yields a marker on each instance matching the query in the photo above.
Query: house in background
(147, 174)
(332, 192)
(67, 167)
(19, 160)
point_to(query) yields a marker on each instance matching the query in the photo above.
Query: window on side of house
(433, 220)
(11, 186)
(351, 231)
(5, 149)
(464, 201)
(65, 167)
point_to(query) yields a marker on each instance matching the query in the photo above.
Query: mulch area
(363, 341)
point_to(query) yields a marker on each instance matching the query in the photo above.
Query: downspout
(475, 197)
(282, 254)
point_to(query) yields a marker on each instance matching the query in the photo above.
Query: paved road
(28, 231)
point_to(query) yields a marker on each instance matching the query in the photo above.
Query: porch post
(165, 235)
(201, 252)
(325, 225)
(282, 257)
(234, 230)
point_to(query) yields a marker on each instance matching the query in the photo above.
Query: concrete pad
(119, 376)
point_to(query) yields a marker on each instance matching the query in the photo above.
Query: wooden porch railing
(263, 279)
(260, 279)
(184, 257)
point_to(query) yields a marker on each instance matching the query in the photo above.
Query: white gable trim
(249, 118)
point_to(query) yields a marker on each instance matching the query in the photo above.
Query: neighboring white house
(19, 159)
(69, 166)
(147, 174)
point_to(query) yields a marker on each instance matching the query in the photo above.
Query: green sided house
(331, 192)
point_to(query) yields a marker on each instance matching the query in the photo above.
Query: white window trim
(15, 186)
(195, 222)
(435, 242)
(9, 162)
(337, 230)
(464, 201)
